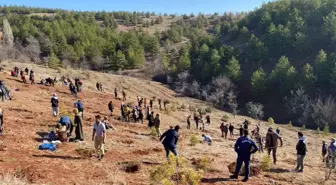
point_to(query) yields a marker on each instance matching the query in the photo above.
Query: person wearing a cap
(272, 143)
(244, 147)
(54, 105)
(170, 139)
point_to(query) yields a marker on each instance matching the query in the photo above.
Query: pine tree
(233, 69)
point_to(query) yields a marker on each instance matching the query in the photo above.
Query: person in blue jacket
(79, 105)
(66, 121)
(244, 147)
(170, 139)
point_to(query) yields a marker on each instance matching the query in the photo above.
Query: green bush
(201, 111)
(290, 124)
(153, 132)
(176, 171)
(225, 118)
(271, 120)
(193, 140)
(183, 106)
(208, 110)
(303, 126)
(202, 164)
(266, 163)
(326, 129)
(192, 108)
(318, 131)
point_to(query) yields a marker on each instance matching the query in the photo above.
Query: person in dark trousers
(78, 122)
(31, 77)
(196, 120)
(160, 101)
(98, 86)
(1, 121)
(27, 70)
(324, 150)
(245, 125)
(244, 147)
(151, 103)
(157, 122)
(277, 131)
(301, 152)
(231, 129)
(111, 107)
(141, 116)
(272, 143)
(241, 130)
(170, 139)
(224, 128)
(54, 105)
(4, 91)
(124, 95)
(66, 121)
(188, 122)
(79, 105)
(208, 119)
(151, 120)
(115, 93)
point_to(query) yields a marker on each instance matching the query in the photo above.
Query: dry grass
(10, 179)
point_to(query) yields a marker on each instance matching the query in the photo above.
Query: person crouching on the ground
(99, 136)
(301, 152)
(79, 105)
(207, 139)
(244, 147)
(157, 124)
(107, 124)
(170, 139)
(66, 121)
(79, 126)
(324, 150)
(111, 107)
(272, 143)
(1, 122)
(54, 105)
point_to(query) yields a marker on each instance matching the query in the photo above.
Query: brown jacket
(272, 140)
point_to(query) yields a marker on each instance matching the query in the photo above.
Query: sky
(158, 6)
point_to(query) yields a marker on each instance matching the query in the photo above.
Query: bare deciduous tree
(255, 110)
(7, 34)
(324, 112)
(33, 49)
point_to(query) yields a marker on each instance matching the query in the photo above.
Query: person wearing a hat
(79, 126)
(54, 105)
(170, 139)
(272, 143)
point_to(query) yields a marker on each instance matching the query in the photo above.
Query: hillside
(29, 115)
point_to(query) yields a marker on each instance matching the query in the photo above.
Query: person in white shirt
(98, 136)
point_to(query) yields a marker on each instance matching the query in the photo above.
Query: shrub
(326, 129)
(173, 108)
(130, 166)
(194, 140)
(208, 110)
(13, 179)
(166, 101)
(266, 163)
(271, 120)
(85, 152)
(201, 111)
(318, 131)
(153, 132)
(183, 106)
(192, 108)
(202, 164)
(225, 118)
(303, 126)
(129, 104)
(290, 124)
(176, 171)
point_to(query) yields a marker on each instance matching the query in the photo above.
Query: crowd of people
(245, 146)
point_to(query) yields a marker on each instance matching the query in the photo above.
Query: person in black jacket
(324, 150)
(301, 152)
(170, 139)
(111, 107)
(54, 105)
(1, 121)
